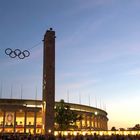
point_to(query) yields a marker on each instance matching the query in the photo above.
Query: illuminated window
(38, 122)
(95, 124)
(30, 118)
(1, 120)
(20, 121)
(78, 124)
(83, 123)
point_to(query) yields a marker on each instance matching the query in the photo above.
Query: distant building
(25, 116)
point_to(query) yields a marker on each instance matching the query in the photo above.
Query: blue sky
(97, 52)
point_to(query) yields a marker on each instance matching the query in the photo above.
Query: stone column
(35, 115)
(3, 121)
(86, 121)
(106, 124)
(101, 123)
(97, 119)
(93, 122)
(25, 120)
(14, 121)
(48, 81)
(90, 121)
(81, 123)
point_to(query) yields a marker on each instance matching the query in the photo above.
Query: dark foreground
(69, 137)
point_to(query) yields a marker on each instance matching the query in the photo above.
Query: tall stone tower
(48, 81)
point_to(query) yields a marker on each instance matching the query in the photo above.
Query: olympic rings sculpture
(17, 53)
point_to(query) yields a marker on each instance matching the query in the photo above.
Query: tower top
(50, 34)
(50, 30)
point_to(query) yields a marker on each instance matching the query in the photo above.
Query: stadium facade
(25, 116)
(37, 117)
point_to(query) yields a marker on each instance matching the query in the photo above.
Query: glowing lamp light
(125, 133)
(83, 133)
(49, 131)
(65, 133)
(43, 126)
(133, 133)
(96, 113)
(117, 132)
(101, 133)
(74, 133)
(44, 105)
(56, 133)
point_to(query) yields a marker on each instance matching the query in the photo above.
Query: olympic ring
(7, 51)
(17, 53)
(21, 56)
(26, 53)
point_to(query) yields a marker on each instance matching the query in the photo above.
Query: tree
(64, 117)
(113, 128)
(136, 127)
(122, 129)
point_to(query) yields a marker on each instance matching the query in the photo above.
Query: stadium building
(37, 117)
(25, 116)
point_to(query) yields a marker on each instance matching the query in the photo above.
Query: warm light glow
(133, 133)
(43, 126)
(125, 133)
(101, 133)
(44, 105)
(55, 133)
(117, 132)
(65, 133)
(83, 133)
(27, 105)
(109, 133)
(74, 133)
(49, 131)
(96, 113)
